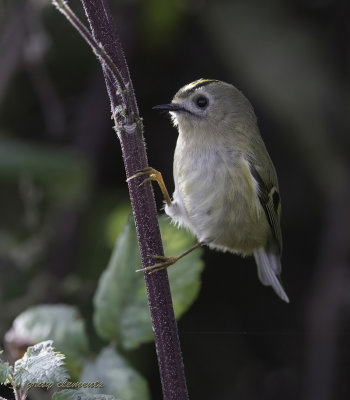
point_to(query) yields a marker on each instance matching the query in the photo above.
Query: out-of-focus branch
(23, 44)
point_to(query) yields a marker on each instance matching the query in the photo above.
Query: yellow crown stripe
(196, 84)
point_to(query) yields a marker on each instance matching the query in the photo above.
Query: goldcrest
(226, 188)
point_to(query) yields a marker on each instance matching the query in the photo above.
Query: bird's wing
(269, 197)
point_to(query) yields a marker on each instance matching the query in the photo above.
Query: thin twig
(98, 49)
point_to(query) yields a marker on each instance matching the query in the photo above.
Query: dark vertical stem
(144, 209)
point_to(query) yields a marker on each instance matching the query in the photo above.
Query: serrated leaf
(118, 377)
(121, 307)
(40, 364)
(60, 323)
(5, 371)
(70, 394)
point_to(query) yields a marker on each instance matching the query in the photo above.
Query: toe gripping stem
(153, 175)
(166, 262)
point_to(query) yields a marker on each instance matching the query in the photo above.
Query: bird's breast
(201, 183)
(219, 204)
(196, 172)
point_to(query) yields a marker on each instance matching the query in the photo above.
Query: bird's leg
(153, 175)
(168, 261)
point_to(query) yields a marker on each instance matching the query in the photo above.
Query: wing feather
(270, 200)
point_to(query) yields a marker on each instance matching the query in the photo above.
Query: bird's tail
(269, 269)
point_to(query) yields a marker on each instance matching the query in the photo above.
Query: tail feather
(269, 267)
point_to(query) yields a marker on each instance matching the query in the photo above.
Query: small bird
(226, 187)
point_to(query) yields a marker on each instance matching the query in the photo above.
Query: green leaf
(5, 371)
(60, 323)
(116, 222)
(40, 364)
(118, 377)
(184, 276)
(121, 307)
(70, 394)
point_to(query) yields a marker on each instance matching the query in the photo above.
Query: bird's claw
(153, 175)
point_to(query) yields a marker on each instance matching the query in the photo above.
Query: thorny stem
(129, 129)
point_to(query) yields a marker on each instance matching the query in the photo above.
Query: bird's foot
(152, 174)
(168, 261)
(165, 263)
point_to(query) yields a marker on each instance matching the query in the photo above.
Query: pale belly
(218, 207)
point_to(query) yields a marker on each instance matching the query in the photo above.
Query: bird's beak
(169, 107)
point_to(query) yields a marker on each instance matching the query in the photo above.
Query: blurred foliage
(117, 375)
(60, 323)
(63, 173)
(62, 178)
(121, 309)
(162, 21)
(40, 365)
(121, 314)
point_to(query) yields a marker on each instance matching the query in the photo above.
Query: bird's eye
(202, 101)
